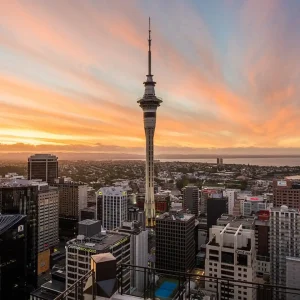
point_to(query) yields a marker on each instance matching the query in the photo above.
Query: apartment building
(284, 241)
(230, 254)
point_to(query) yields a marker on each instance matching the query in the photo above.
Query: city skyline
(227, 72)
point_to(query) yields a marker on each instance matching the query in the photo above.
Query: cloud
(71, 74)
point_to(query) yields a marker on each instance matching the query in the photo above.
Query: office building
(292, 276)
(175, 244)
(138, 251)
(91, 196)
(286, 192)
(43, 166)
(21, 197)
(230, 254)
(149, 103)
(191, 199)
(112, 206)
(262, 242)
(253, 204)
(207, 193)
(216, 206)
(48, 210)
(162, 202)
(13, 258)
(80, 250)
(72, 199)
(135, 214)
(231, 194)
(284, 241)
(88, 213)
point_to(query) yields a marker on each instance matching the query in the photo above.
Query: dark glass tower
(43, 166)
(20, 197)
(13, 256)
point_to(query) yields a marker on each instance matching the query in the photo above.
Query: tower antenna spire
(149, 50)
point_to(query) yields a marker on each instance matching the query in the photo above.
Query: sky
(71, 73)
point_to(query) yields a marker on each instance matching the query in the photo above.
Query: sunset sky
(71, 72)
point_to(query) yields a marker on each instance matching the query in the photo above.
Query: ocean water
(257, 161)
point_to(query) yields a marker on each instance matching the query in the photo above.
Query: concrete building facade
(284, 241)
(80, 250)
(230, 254)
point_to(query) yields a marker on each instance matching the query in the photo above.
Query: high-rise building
(284, 241)
(262, 239)
(21, 197)
(112, 206)
(13, 258)
(292, 276)
(80, 250)
(149, 103)
(207, 193)
(138, 250)
(175, 244)
(72, 199)
(286, 192)
(216, 206)
(43, 166)
(48, 210)
(253, 204)
(230, 254)
(191, 199)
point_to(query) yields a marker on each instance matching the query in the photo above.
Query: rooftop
(98, 242)
(169, 216)
(88, 222)
(42, 156)
(112, 191)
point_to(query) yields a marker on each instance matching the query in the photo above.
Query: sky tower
(149, 104)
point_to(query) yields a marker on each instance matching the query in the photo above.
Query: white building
(231, 194)
(112, 206)
(284, 241)
(253, 204)
(230, 254)
(139, 252)
(292, 276)
(80, 250)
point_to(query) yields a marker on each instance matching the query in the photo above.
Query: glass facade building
(13, 256)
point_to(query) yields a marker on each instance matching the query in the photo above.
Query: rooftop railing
(149, 283)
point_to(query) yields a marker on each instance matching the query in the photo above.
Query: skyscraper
(175, 244)
(149, 103)
(13, 258)
(21, 197)
(191, 199)
(43, 166)
(112, 206)
(284, 241)
(72, 199)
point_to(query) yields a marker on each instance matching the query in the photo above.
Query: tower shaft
(149, 104)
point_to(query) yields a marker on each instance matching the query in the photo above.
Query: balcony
(168, 285)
